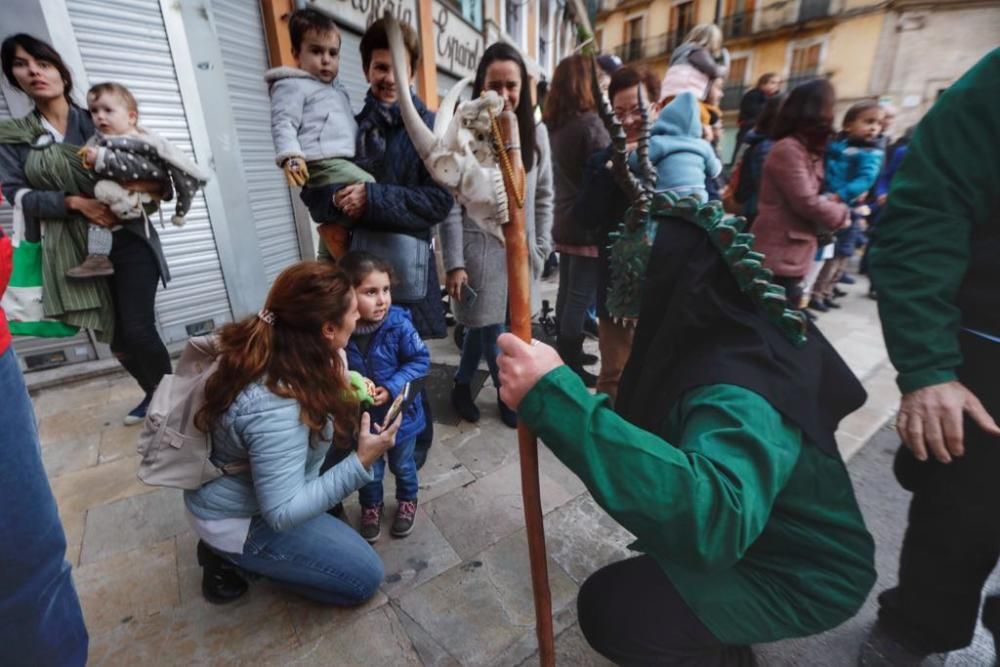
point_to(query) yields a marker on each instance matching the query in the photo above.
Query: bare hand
(522, 366)
(88, 156)
(454, 281)
(296, 172)
(882, 199)
(380, 396)
(94, 211)
(371, 446)
(352, 199)
(932, 419)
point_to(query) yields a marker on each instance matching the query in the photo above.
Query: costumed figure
(720, 456)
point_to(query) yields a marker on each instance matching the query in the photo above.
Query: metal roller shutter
(244, 53)
(351, 73)
(125, 41)
(43, 352)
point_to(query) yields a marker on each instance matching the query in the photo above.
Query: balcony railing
(737, 25)
(651, 47)
(732, 94)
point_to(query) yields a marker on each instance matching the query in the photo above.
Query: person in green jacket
(935, 266)
(720, 458)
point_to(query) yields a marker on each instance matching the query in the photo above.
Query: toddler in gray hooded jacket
(312, 123)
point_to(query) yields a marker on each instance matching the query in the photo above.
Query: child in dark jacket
(386, 348)
(853, 162)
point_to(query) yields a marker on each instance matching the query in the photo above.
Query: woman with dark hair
(119, 309)
(792, 209)
(758, 143)
(279, 398)
(476, 261)
(576, 133)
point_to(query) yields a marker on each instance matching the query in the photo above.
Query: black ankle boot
(571, 351)
(220, 581)
(461, 400)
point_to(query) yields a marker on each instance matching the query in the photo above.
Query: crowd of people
(747, 519)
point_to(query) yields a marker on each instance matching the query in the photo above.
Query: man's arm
(947, 185)
(921, 252)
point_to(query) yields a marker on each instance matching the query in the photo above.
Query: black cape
(696, 328)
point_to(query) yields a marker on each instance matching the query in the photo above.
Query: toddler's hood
(680, 118)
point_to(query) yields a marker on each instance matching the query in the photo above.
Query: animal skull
(459, 152)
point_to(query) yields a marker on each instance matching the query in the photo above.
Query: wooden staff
(519, 298)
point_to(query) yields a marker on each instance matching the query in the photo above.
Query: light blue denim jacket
(284, 485)
(309, 119)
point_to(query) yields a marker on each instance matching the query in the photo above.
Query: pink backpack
(175, 452)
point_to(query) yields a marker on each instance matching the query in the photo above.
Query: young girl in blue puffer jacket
(386, 348)
(853, 162)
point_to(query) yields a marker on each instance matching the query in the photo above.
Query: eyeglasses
(623, 114)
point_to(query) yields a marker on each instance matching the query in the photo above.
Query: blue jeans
(478, 342)
(40, 618)
(322, 559)
(577, 291)
(402, 465)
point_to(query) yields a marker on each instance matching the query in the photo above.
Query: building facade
(196, 68)
(901, 51)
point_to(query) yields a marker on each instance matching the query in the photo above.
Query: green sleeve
(701, 501)
(922, 244)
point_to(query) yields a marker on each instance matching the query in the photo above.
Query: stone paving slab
(132, 523)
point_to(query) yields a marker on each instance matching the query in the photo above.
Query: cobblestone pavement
(457, 590)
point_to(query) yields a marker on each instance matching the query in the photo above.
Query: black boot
(571, 350)
(220, 581)
(461, 400)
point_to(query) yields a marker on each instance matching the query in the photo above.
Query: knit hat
(609, 63)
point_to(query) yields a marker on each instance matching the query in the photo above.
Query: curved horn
(420, 134)
(646, 169)
(624, 176)
(447, 107)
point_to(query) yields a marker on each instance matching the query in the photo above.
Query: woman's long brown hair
(291, 355)
(570, 92)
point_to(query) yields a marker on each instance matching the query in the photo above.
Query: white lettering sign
(458, 45)
(359, 14)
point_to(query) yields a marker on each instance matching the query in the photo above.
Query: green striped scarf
(56, 166)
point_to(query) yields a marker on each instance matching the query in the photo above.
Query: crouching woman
(278, 399)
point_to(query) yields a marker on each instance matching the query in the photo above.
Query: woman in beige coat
(476, 261)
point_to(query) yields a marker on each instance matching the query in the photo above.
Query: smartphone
(397, 406)
(469, 295)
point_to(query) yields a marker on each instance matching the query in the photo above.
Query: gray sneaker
(406, 514)
(371, 522)
(95, 266)
(881, 650)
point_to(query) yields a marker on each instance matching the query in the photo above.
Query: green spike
(739, 223)
(744, 270)
(773, 304)
(759, 257)
(765, 274)
(735, 252)
(743, 238)
(722, 235)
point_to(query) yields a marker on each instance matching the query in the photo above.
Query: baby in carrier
(121, 152)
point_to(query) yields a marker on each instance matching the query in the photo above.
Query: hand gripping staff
(473, 151)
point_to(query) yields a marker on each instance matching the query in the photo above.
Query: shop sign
(458, 45)
(359, 14)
